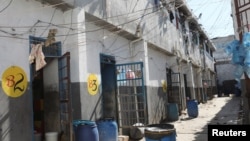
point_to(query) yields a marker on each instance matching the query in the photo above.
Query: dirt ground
(218, 111)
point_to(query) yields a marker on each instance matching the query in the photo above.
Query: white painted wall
(154, 24)
(17, 22)
(23, 24)
(74, 41)
(85, 47)
(50, 78)
(157, 67)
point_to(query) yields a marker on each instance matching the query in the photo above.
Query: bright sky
(216, 16)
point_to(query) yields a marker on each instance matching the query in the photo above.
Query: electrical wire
(121, 48)
(62, 26)
(51, 19)
(219, 16)
(216, 16)
(6, 6)
(123, 27)
(65, 24)
(128, 33)
(105, 26)
(102, 27)
(71, 20)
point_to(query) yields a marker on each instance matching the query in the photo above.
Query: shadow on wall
(159, 111)
(76, 104)
(15, 115)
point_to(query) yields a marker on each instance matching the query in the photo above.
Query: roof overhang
(64, 5)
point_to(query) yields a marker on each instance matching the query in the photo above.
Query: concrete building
(224, 66)
(65, 60)
(240, 14)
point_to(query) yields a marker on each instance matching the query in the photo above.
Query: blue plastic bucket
(107, 129)
(160, 132)
(172, 112)
(85, 130)
(192, 108)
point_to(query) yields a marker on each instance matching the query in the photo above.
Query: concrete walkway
(220, 110)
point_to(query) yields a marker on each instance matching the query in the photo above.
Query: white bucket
(51, 136)
(38, 137)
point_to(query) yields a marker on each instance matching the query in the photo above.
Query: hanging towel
(37, 55)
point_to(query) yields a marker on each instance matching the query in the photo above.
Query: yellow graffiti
(164, 86)
(14, 81)
(93, 84)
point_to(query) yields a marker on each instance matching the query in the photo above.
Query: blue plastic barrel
(160, 132)
(107, 129)
(172, 112)
(85, 130)
(192, 108)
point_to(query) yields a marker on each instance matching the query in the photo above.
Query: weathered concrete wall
(157, 98)
(24, 19)
(157, 104)
(224, 67)
(154, 23)
(16, 117)
(51, 98)
(225, 72)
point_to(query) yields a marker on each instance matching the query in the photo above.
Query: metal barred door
(175, 92)
(131, 97)
(65, 96)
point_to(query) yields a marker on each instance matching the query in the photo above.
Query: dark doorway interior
(38, 99)
(108, 76)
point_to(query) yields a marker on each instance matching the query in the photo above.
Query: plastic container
(85, 130)
(247, 71)
(107, 129)
(192, 108)
(160, 132)
(238, 72)
(231, 46)
(121, 77)
(51, 136)
(238, 55)
(172, 112)
(246, 39)
(247, 58)
(136, 132)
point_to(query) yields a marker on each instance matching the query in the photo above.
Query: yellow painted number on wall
(164, 86)
(14, 81)
(93, 84)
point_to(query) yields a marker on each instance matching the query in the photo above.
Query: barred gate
(174, 90)
(131, 97)
(65, 96)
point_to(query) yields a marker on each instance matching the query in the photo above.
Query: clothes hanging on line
(37, 55)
